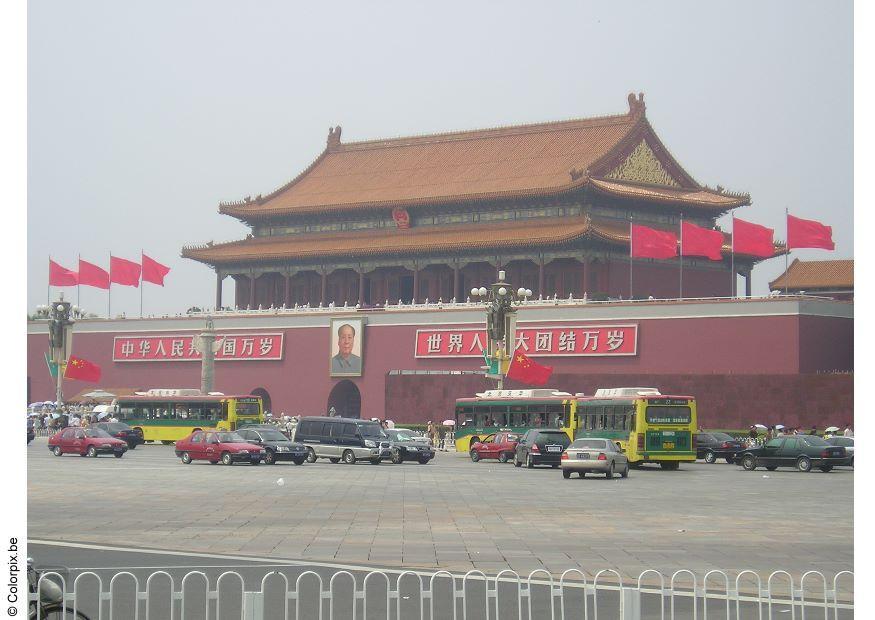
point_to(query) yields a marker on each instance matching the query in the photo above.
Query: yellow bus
(509, 410)
(648, 426)
(167, 415)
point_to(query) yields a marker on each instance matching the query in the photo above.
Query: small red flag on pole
(83, 370)
(808, 234)
(650, 243)
(124, 272)
(526, 371)
(698, 241)
(92, 275)
(752, 239)
(153, 271)
(60, 276)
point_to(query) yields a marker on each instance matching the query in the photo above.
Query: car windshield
(96, 432)
(229, 438)
(722, 437)
(115, 427)
(812, 440)
(271, 435)
(401, 436)
(371, 430)
(553, 437)
(597, 444)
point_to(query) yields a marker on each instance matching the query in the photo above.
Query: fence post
(253, 606)
(630, 604)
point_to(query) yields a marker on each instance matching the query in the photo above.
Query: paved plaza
(452, 513)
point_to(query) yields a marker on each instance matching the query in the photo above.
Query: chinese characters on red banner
(585, 340)
(182, 348)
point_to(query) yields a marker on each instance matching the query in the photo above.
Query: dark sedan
(277, 446)
(711, 446)
(30, 432)
(800, 451)
(131, 436)
(541, 447)
(405, 447)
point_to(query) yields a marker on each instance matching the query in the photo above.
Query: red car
(499, 446)
(214, 446)
(86, 442)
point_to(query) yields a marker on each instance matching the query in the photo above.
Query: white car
(594, 455)
(847, 443)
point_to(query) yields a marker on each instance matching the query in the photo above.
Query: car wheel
(348, 457)
(566, 473)
(475, 456)
(516, 462)
(803, 463)
(710, 457)
(825, 468)
(57, 451)
(334, 460)
(771, 467)
(396, 457)
(299, 461)
(118, 454)
(311, 455)
(92, 452)
(625, 472)
(186, 458)
(502, 458)
(749, 462)
(529, 462)
(226, 459)
(269, 457)
(610, 473)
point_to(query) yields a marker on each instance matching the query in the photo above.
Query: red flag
(752, 239)
(650, 243)
(83, 370)
(125, 272)
(526, 371)
(808, 234)
(698, 241)
(153, 271)
(92, 275)
(59, 276)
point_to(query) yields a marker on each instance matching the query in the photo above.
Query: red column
(218, 290)
(252, 292)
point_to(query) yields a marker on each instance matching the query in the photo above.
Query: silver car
(594, 455)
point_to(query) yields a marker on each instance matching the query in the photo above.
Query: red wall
(714, 349)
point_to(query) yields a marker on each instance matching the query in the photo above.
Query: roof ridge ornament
(333, 141)
(636, 106)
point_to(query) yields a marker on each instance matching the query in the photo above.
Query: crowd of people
(754, 435)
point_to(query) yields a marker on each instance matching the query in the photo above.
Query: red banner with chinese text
(180, 348)
(550, 341)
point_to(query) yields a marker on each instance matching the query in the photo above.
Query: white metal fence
(251, 593)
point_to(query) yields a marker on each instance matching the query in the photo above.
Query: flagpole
(732, 278)
(109, 290)
(786, 248)
(78, 301)
(49, 287)
(630, 257)
(681, 287)
(141, 283)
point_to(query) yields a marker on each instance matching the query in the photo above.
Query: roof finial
(334, 137)
(636, 106)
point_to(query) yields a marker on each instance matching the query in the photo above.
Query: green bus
(509, 410)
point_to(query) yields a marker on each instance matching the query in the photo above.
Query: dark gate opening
(346, 400)
(265, 398)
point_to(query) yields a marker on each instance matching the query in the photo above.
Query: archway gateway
(346, 400)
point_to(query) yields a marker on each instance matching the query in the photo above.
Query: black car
(711, 446)
(541, 447)
(800, 451)
(131, 436)
(30, 432)
(277, 446)
(405, 447)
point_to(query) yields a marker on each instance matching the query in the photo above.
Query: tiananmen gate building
(381, 240)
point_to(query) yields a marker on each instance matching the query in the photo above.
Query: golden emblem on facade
(643, 166)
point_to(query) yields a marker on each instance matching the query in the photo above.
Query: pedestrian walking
(848, 430)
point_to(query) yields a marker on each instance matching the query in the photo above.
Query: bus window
(554, 416)
(499, 416)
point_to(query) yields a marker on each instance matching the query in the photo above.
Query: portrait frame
(353, 365)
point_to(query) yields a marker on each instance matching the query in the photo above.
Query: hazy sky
(143, 116)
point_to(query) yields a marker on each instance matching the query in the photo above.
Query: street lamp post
(500, 320)
(60, 315)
